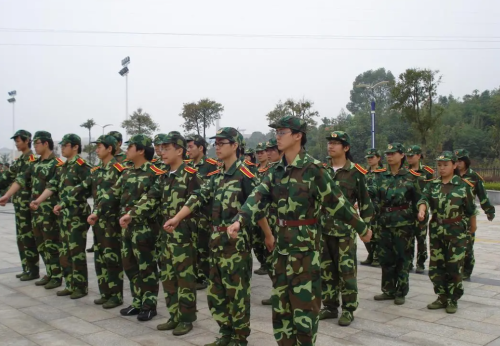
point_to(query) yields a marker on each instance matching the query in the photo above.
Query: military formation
(193, 223)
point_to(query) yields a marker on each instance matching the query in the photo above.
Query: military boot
(440, 303)
(267, 301)
(224, 341)
(399, 300)
(112, 302)
(346, 318)
(327, 313)
(170, 325)
(100, 301)
(260, 271)
(183, 328)
(64, 292)
(384, 296)
(43, 281)
(53, 283)
(29, 276)
(451, 306)
(20, 274)
(78, 293)
(420, 269)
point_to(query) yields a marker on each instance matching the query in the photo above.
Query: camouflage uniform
(396, 196)
(121, 157)
(452, 205)
(73, 219)
(139, 239)
(24, 233)
(299, 189)
(338, 260)
(230, 259)
(44, 221)
(479, 192)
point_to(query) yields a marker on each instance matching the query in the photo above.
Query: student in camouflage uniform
(273, 153)
(139, 239)
(374, 160)
(120, 156)
(395, 192)
(414, 156)
(73, 221)
(339, 260)
(479, 191)
(24, 232)
(44, 222)
(299, 185)
(452, 203)
(231, 260)
(170, 193)
(157, 159)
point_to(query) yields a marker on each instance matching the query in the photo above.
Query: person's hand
(92, 219)
(125, 220)
(490, 217)
(57, 209)
(472, 229)
(269, 241)
(4, 200)
(367, 236)
(34, 205)
(421, 215)
(171, 224)
(233, 230)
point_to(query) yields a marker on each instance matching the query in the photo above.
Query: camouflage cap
(42, 135)
(447, 156)
(197, 138)
(175, 137)
(289, 122)
(372, 152)
(108, 140)
(260, 147)
(117, 135)
(462, 153)
(228, 133)
(395, 147)
(272, 143)
(414, 150)
(21, 133)
(140, 139)
(339, 135)
(159, 138)
(70, 138)
(249, 151)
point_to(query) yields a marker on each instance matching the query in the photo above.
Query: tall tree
(361, 96)
(201, 115)
(140, 123)
(89, 124)
(302, 108)
(5, 158)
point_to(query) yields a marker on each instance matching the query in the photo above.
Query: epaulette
(211, 161)
(213, 173)
(325, 165)
(415, 173)
(80, 161)
(188, 161)
(190, 170)
(468, 182)
(361, 169)
(262, 170)
(220, 163)
(480, 177)
(157, 170)
(245, 171)
(94, 169)
(59, 162)
(428, 169)
(380, 170)
(32, 158)
(249, 163)
(154, 160)
(119, 167)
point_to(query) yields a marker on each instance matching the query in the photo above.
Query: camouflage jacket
(449, 201)
(38, 176)
(351, 181)
(479, 191)
(205, 166)
(400, 190)
(158, 162)
(128, 189)
(71, 174)
(169, 193)
(299, 190)
(263, 171)
(370, 175)
(227, 190)
(7, 177)
(97, 184)
(427, 174)
(121, 156)
(252, 167)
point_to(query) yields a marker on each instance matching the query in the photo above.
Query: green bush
(492, 186)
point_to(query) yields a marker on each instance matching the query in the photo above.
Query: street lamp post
(124, 73)
(372, 103)
(103, 127)
(12, 99)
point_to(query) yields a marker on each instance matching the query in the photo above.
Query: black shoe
(130, 311)
(146, 314)
(260, 271)
(90, 249)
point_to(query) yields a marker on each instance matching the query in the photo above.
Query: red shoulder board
(468, 182)
(361, 169)
(80, 161)
(415, 173)
(480, 177)
(157, 170)
(213, 173)
(190, 170)
(428, 169)
(325, 165)
(262, 170)
(245, 171)
(211, 161)
(59, 161)
(32, 158)
(154, 160)
(250, 163)
(119, 167)
(380, 170)
(92, 170)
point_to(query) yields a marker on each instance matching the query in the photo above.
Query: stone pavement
(31, 315)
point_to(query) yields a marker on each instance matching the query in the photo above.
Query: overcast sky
(59, 87)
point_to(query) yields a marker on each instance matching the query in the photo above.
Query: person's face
(133, 154)
(273, 154)
(461, 165)
(262, 156)
(158, 150)
(40, 148)
(373, 161)
(286, 139)
(20, 144)
(445, 168)
(67, 150)
(336, 149)
(413, 159)
(248, 158)
(193, 151)
(170, 154)
(224, 148)
(394, 158)
(103, 152)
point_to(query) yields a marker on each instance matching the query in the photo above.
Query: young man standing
(120, 156)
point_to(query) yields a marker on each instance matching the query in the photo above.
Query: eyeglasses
(37, 143)
(334, 142)
(220, 144)
(282, 133)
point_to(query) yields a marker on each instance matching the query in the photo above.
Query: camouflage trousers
(139, 262)
(375, 241)
(26, 244)
(107, 257)
(296, 297)
(421, 238)
(259, 248)
(229, 293)
(178, 278)
(72, 255)
(338, 272)
(446, 264)
(469, 260)
(202, 250)
(395, 259)
(47, 238)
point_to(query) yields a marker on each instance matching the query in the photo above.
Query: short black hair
(403, 160)
(24, 139)
(113, 148)
(275, 148)
(149, 152)
(199, 144)
(184, 150)
(50, 141)
(465, 160)
(73, 144)
(303, 140)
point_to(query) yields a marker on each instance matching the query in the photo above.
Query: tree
(302, 109)
(415, 96)
(361, 96)
(201, 115)
(140, 123)
(90, 148)
(5, 158)
(89, 124)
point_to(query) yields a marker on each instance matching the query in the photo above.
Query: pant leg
(202, 250)
(421, 245)
(375, 242)
(469, 261)
(19, 233)
(37, 226)
(131, 266)
(52, 241)
(437, 264)
(100, 268)
(404, 245)
(184, 263)
(169, 282)
(455, 256)
(330, 282)
(217, 297)
(387, 258)
(258, 245)
(30, 257)
(64, 255)
(347, 260)
(111, 248)
(78, 228)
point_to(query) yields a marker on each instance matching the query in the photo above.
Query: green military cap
(290, 122)
(140, 139)
(447, 156)
(21, 133)
(272, 143)
(260, 147)
(42, 135)
(197, 138)
(228, 133)
(159, 138)
(462, 153)
(249, 151)
(71, 138)
(175, 137)
(372, 152)
(395, 147)
(117, 135)
(414, 150)
(339, 135)
(108, 140)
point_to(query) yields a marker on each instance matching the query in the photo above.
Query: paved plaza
(31, 315)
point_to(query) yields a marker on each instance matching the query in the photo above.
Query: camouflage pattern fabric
(373, 245)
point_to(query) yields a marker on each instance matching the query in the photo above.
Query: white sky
(60, 87)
